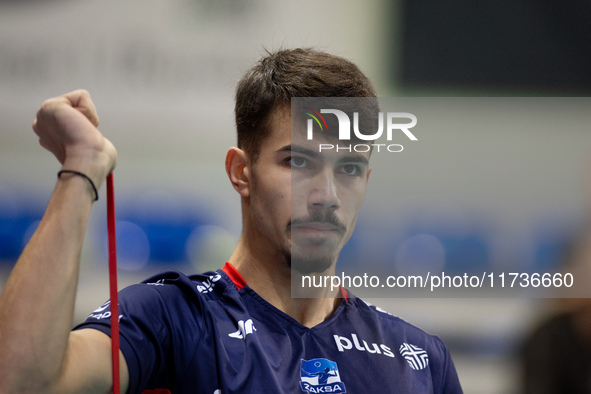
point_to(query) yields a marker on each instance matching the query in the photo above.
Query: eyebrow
(349, 158)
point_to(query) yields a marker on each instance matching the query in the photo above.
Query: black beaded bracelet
(96, 196)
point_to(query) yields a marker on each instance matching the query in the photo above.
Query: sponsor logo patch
(208, 284)
(343, 343)
(416, 357)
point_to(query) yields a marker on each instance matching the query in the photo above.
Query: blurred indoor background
(162, 75)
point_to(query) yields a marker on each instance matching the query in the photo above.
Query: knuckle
(83, 93)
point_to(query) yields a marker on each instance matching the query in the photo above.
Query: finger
(37, 128)
(90, 115)
(80, 99)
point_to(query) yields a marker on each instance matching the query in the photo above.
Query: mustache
(320, 217)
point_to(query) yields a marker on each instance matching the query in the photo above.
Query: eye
(350, 169)
(298, 162)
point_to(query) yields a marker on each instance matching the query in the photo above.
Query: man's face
(305, 203)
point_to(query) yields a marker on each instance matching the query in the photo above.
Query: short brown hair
(279, 76)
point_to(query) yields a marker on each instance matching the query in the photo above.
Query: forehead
(282, 134)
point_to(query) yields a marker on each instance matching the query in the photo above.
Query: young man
(236, 330)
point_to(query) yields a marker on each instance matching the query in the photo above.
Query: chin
(306, 265)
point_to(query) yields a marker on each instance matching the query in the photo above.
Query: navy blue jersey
(213, 334)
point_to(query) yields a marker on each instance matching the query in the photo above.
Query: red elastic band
(113, 283)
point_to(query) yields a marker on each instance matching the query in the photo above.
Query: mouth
(316, 226)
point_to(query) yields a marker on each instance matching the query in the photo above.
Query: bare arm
(37, 351)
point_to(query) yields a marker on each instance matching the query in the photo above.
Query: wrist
(93, 164)
(86, 177)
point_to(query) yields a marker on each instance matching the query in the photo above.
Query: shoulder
(171, 283)
(174, 294)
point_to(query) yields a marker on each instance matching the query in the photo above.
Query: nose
(323, 193)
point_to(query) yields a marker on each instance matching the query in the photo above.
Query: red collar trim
(239, 281)
(234, 275)
(344, 293)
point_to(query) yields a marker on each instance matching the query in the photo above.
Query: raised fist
(67, 127)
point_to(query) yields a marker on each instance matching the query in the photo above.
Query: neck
(271, 278)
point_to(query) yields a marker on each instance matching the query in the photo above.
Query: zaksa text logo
(345, 129)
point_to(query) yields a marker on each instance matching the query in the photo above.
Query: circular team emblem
(416, 357)
(320, 375)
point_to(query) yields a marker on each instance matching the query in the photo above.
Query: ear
(238, 170)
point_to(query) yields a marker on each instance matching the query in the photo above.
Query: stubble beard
(305, 264)
(305, 260)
